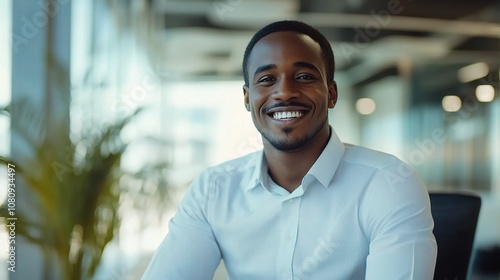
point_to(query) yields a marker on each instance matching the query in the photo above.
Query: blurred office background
(419, 79)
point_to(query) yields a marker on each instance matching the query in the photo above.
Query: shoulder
(220, 182)
(237, 166)
(394, 194)
(360, 155)
(236, 172)
(388, 176)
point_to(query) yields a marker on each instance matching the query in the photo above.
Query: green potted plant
(77, 198)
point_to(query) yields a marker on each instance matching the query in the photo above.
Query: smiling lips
(287, 115)
(282, 112)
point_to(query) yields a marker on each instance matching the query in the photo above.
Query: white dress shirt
(358, 214)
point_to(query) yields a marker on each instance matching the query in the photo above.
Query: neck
(288, 168)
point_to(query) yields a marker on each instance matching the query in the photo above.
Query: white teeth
(287, 115)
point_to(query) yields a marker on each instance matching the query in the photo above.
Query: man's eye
(265, 79)
(305, 77)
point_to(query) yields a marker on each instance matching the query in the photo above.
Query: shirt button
(291, 201)
(284, 275)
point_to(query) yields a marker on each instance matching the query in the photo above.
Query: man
(307, 206)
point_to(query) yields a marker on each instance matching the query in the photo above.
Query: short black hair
(299, 27)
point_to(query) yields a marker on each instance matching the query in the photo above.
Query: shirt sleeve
(189, 251)
(399, 226)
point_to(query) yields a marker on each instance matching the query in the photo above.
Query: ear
(332, 94)
(246, 97)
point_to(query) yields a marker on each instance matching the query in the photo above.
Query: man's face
(288, 93)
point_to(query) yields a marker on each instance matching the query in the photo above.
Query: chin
(287, 143)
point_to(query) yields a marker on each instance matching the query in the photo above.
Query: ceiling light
(451, 103)
(473, 72)
(485, 93)
(365, 106)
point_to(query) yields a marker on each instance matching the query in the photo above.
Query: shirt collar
(257, 177)
(328, 162)
(323, 169)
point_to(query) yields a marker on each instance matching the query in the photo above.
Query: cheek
(256, 118)
(321, 99)
(256, 102)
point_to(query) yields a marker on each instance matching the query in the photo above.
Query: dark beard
(286, 145)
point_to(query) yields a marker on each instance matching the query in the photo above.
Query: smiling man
(288, 90)
(307, 206)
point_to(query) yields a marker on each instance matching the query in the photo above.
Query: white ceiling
(208, 37)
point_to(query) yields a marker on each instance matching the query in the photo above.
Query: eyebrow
(307, 65)
(264, 68)
(299, 64)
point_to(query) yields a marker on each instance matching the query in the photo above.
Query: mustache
(286, 104)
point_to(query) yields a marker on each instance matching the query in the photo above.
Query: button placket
(289, 224)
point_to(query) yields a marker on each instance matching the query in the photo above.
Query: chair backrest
(455, 218)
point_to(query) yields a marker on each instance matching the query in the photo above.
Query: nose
(285, 90)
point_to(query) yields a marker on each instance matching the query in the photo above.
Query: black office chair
(455, 219)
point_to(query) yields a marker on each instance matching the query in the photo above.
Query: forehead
(285, 47)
